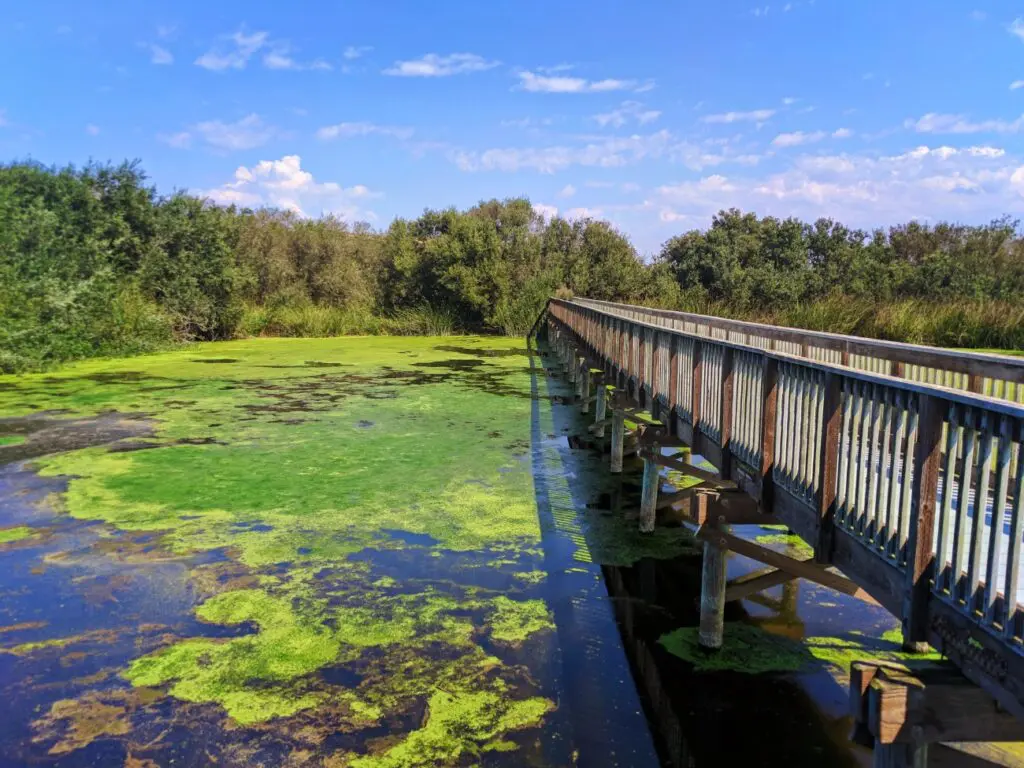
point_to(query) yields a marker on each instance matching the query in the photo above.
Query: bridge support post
(618, 438)
(584, 387)
(649, 492)
(712, 585)
(899, 756)
(573, 364)
(601, 409)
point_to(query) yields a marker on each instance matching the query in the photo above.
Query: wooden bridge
(901, 465)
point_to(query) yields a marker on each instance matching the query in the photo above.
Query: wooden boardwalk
(901, 465)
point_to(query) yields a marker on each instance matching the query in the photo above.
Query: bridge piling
(584, 388)
(600, 409)
(649, 492)
(618, 438)
(711, 634)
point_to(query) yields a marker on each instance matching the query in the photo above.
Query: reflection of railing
(999, 376)
(915, 491)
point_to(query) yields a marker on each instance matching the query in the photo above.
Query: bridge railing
(915, 491)
(1000, 376)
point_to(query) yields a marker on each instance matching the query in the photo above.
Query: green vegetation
(11, 440)
(18, 533)
(93, 262)
(748, 648)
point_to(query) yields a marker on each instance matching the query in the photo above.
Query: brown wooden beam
(933, 704)
(693, 471)
(740, 588)
(802, 569)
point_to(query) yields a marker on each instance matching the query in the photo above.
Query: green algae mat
(290, 552)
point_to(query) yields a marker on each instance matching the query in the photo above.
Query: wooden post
(770, 399)
(649, 492)
(976, 383)
(728, 388)
(618, 438)
(924, 493)
(898, 369)
(831, 437)
(899, 755)
(712, 587)
(698, 380)
(585, 387)
(573, 364)
(601, 409)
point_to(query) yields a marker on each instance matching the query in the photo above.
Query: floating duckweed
(796, 546)
(515, 620)
(18, 533)
(460, 727)
(11, 440)
(746, 648)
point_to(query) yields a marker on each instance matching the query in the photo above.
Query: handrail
(1000, 376)
(892, 479)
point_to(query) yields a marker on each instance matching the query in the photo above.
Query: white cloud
(790, 101)
(754, 116)
(237, 49)
(1016, 84)
(842, 133)
(1017, 27)
(797, 138)
(574, 214)
(962, 183)
(611, 152)
(181, 140)
(434, 65)
(241, 47)
(567, 191)
(352, 130)
(760, 11)
(938, 123)
(628, 110)
(354, 52)
(247, 133)
(547, 211)
(159, 55)
(534, 83)
(92, 130)
(285, 184)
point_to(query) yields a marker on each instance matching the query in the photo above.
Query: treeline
(93, 261)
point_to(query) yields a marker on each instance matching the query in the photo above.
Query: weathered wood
(828, 472)
(924, 493)
(711, 632)
(600, 410)
(618, 438)
(649, 495)
(585, 388)
(932, 704)
(692, 471)
(696, 398)
(802, 569)
(769, 399)
(728, 392)
(738, 589)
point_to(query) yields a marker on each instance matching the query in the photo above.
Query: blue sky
(653, 115)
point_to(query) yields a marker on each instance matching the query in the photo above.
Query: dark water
(622, 699)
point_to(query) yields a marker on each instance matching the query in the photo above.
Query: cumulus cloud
(567, 191)
(158, 54)
(842, 133)
(1017, 27)
(605, 153)
(753, 116)
(529, 81)
(934, 122)
(234, 51)
(285, 184)
(435, 65)
(627, 111)
(963, 183)
(354, 52)
(797, 138)
(547, 211)
(247, 133)
(353, 130)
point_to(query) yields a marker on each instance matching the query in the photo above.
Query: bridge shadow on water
(623, 689)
